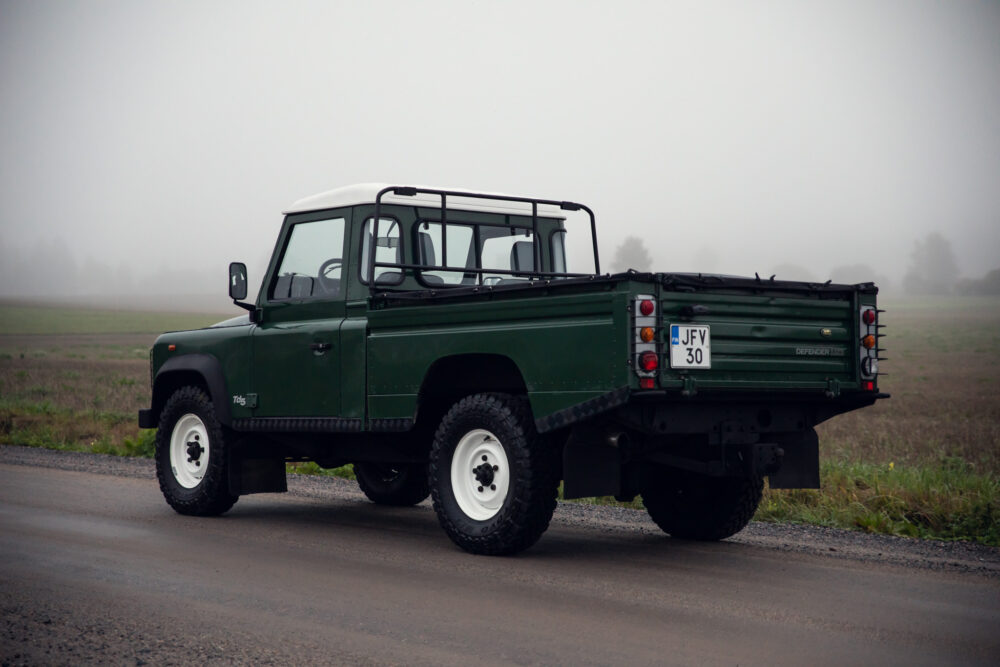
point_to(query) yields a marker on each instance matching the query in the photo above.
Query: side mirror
(237, 281)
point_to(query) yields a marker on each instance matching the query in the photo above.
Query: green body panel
(568, 348)
(760, 341)
(289, 377)
(353, 340)
(231, 346)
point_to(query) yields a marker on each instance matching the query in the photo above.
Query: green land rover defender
(441, 341)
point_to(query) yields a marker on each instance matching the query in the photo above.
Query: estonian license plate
(690, 346)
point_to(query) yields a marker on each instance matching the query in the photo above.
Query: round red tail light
(646, 307)
(868, 317)
(649, 361)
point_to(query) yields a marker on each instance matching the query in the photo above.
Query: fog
(144, 145)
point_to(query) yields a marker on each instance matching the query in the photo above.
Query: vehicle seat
(282, 287)
(302, 286)
(389, 278)
(522, 256)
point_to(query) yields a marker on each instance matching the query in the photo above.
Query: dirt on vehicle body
(450, 350)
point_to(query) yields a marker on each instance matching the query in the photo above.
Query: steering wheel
(326, 268)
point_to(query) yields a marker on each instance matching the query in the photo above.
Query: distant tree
(632, 254)
(933, 267)
(988, 284)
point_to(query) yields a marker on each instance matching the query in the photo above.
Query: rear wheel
(400, 484)
(493, 478)
(191, 455)
(697, 507)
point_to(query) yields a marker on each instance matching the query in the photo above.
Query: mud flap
(591, 466)
(800, 463)
(248, 476)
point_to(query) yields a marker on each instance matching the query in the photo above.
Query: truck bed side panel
(568, 349)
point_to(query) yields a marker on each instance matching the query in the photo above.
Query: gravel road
(95, 568)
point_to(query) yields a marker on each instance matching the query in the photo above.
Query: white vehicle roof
(364, 193)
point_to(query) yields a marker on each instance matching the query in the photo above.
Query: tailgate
(765, 342)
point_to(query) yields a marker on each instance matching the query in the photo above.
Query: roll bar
(411, 191)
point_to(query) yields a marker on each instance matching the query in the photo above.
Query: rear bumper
(146, 419)
(803, 408)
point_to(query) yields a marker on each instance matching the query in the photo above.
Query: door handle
(320, 348)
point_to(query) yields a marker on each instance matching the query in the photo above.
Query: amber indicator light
(646, 334)
(868, 341)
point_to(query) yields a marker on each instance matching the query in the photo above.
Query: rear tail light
(868, 348)
(649, 361)
(645, 343)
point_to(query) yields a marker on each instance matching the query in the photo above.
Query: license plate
(690, 346)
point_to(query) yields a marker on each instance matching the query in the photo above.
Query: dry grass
(52, 397)
(944, 377)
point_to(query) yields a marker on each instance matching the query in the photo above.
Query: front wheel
(493, 478)
(697, 507)
(191, 455)
(399, 484)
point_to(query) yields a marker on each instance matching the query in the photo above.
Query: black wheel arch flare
(200, 369)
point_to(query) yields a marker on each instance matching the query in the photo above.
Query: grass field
(36, 319)
(924, 463)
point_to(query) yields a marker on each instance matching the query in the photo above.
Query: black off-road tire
(210, 495)
(397, 484)
(532, 475)
(691, 506)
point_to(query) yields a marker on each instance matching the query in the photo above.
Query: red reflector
(646, 307)
(647, 383)
(171, 348)
(869, 386)
(648, 361)
(868, 317)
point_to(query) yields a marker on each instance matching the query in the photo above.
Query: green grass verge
(310, 468)
(949, 501)
(50, 427)
(24, 319)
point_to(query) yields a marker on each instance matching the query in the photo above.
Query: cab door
(296, 344)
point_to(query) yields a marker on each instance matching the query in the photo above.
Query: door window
(312, 261)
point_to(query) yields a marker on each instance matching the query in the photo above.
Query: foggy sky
(155, 142)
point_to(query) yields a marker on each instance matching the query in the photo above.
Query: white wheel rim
(479, 492)
(189, 450)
